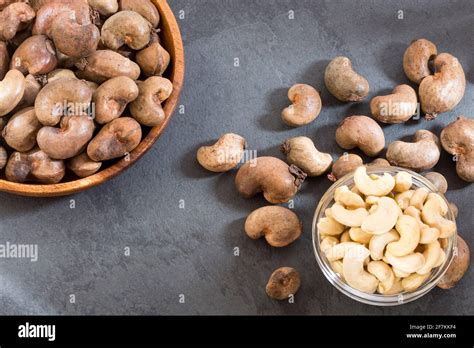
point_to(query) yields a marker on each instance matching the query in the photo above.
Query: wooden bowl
(171, 40)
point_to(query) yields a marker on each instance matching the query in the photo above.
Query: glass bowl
(377, 299)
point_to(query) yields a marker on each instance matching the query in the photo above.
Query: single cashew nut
(417, 58)
(21, 130)
(345, 237)
(126, 28)
(343, 82)
(327, 243)
(409, 231)
(438, 179)
(116, 139)
(418, 198)
(444, 90)
(36, 56)
(422, 154)
(35, 166)
(280, 226)
(146, 108)
(397, 107)
(353, 270)
(400, 274)
(397, 288)
(14, 18)
(224, 155)
(403, 181)
(414, 281)
(458, 267)
(105, 7)
(359, 236)
(57, 98)
(305, 107)
(278, 181)
(410, 263)
(329, 226)
(344, 165)
(383, 273)
(144, 7)
(379, 242)
(433, 213)
(348, 198)
(362, 132)
(384, 218)
(403, 199)
(370, 187)
(349, 217)
(283, 283)
(432, 254)
(32, 88)
(338, 251)
(67, 141)
(428, 234)
(458, 139)
(301, 152)
(12, 88)
(112, 97)
(154, 59)
(83, 166)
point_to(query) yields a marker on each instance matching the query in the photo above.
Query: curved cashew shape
(414, 281)
(403, 199)
(338, 251)
(416, 59)
(329, 227)
(351, 218)
(126, 28)
(359, 236)
(428, 234)
(280, 226)
(305, 108)
(397, 107)
(383, 218)
(301, 152)
(327, 243)
(362, 132)
(12, 88)
(403, 182)
(343, 82)
(370, 187)
(400, 274)
(409, 263)
(354, 272)
(432, 254)
(337, 267)
(224, 155)
(383, 273)
(345, 237)
(379, 242)
(433, 213)
(418, 198)
(348, 198)
(397, 288)
(409, 231)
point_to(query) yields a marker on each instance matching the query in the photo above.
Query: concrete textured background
(190, 251)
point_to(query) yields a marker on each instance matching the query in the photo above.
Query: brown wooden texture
(172, 42)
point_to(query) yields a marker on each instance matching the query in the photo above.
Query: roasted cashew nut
(305, 107)
(409, 231)
(362, 132)
(422, 154)
(301, 152)
(280, 226)
(353, 270)
(397, 107)
(278, 181)
(224, 155)
(368, 186)
(383, 218)
(12, 88)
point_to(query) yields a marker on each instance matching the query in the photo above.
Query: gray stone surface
(190, 251)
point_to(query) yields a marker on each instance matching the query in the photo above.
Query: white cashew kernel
(345, 237)
(409, 231)
(403, 199)
(329, 226)
(337, 267)
(431, 255)
(409, 263)
(378, 243)
(414, 281)
(371, 200)
(351, 218)
(359, 236)
(383, 273)
(399, 273)
(354, 272)
(383, 218)
(428, 234)
(395, 289)
(370, 187)
(432, 214)
(403, 181)
(348, 198)
(418, 198)
(338, 251)
(327, 243)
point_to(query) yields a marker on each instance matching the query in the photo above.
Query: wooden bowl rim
(177, 77)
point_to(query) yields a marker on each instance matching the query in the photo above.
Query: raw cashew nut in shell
(305, 107)
(224, 155)
(301, 152)
(12, 88)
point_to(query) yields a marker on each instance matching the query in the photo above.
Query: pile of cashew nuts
(379, 212)
(78, 82)
(382, 235)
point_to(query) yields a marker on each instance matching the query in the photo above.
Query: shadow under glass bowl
(171, 40)
(377, 299)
